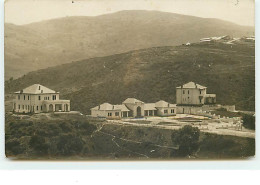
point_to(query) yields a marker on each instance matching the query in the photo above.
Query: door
(50, 108)
(138, 112)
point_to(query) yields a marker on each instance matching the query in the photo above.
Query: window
(172, 110)
(117, 114)
(39, 87)
(54, 97)
(23, 106)
(183, 91)
(188, 92)
(18, 97)
(39, 97)
(19, 106)
(109, 114)
(48, 98)
(41, 107)
(37, 108)
(200, 91)
(41, 91)
(28, 97)
(24, 97)
(165, 111)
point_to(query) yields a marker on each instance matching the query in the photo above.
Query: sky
(27, 11)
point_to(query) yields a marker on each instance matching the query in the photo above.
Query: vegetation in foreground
(78, 137)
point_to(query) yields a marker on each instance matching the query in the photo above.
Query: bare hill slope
(58, 41)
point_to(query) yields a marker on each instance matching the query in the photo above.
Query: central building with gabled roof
(132, 107)
(38, 98)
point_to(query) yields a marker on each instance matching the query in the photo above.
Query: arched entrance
(50, 108)
(138, 112)
(44, 108)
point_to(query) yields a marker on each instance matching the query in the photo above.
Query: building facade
(132, 107)
(38, 98)
(190, 98)
(110, 111)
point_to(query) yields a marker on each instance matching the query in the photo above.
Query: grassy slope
(53, 42)
(153, 74)
(69, 137)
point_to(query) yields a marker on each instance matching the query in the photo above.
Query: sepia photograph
(129, 80)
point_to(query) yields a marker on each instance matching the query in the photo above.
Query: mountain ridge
(53, 42)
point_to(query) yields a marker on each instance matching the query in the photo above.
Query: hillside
(75, 137)
(58, 41)
(153, 74)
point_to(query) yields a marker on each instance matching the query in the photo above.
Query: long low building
(132, 107)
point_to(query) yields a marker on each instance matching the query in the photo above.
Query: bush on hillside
(249, 121)
(39, 145)
(187, 138)
(69, 144)
(14, 147)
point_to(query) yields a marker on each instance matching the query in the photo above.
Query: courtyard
(221, 126)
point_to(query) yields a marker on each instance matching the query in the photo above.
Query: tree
(187, 138)
(249, 121)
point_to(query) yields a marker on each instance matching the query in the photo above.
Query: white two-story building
(37, 98)
(190, 97)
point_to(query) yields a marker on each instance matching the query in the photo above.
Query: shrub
(249, 121)
(38, 144)
(14, 147)
(66, 127)
(68, 144)
(187, 138)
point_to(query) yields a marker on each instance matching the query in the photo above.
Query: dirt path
(123, 148)
(113, 139)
